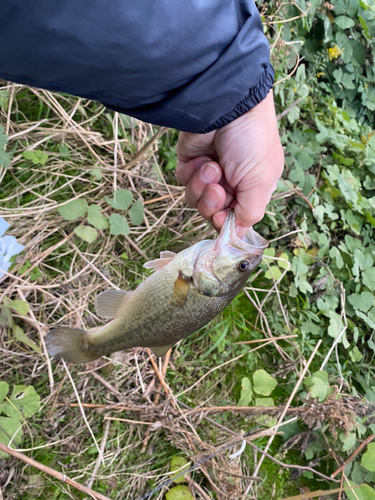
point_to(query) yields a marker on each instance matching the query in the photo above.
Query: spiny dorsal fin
(109, 303)
(161, 350)
(181, 291)
(165, 258)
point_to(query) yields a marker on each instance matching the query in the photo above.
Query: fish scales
(186, 291)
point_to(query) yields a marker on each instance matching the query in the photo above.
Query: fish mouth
(250, 241)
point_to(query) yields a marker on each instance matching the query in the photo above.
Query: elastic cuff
(255, 96)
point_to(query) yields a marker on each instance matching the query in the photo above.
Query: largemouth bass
(186, 291)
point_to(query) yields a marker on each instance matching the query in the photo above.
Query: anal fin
(109, 303)
(161, 350)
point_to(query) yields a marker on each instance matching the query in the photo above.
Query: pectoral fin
(109, 303)
(161, 350)
(181, 291)
(165, 258)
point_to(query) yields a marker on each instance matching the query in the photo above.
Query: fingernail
(212, 196)
(209, 172)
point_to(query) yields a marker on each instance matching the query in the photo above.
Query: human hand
(237, 166)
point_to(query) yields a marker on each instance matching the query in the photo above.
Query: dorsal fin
(109, 303)
(165, 258)
(166, 254)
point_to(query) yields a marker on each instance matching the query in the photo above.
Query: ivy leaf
(265, 402)
(362, 302)
(282, 263)
(368, 278)
(4, 388)
(319, 386)
(136, 213)
(269, 252)
(355, 354)
(180, 464)
(246, 392)
(334, 253)
(368, 458)
(273, 273)
(348, 441)
(118, 225)
(344, 22)
(364, 492)
(263, 383)
(179, 493)
(21, 306)
(96, 219)
(86, 233)
(121, 200)
(74, 209)
(24, 401)
(10, 429)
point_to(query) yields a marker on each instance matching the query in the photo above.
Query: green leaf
(365, 492)
(86, 233)
(96, 173)
(10, 430)
(118, 225)
(344, 22)
(96, 219)
(74, 209)
(36, 156)
(269, 252)
(334, 253)
(265, 402)
(24, 401)
(348, 441)
(136, 213)
(246, 392)
(355, 354)
(4, 99)
(179, 493)
(180, 464)
(121, 200)
(19, 336)
(319, 386)
(368, 278)
(273, 273)
(363, 260)
(6, 318)
(4, 157)
(282, 263)
(21, 306)
(263, 383)
(362, 302)
(4, 388)
(368, 458)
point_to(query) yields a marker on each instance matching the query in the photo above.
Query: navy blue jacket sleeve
(194, 65)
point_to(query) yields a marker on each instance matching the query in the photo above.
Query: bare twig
(52, 472)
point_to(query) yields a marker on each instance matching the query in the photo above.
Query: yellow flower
(334, 53)
(318, 75)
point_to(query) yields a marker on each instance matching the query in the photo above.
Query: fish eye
(243, 265)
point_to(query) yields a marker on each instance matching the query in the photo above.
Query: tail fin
(67, 343)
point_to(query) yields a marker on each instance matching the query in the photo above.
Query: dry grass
(115, 424)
